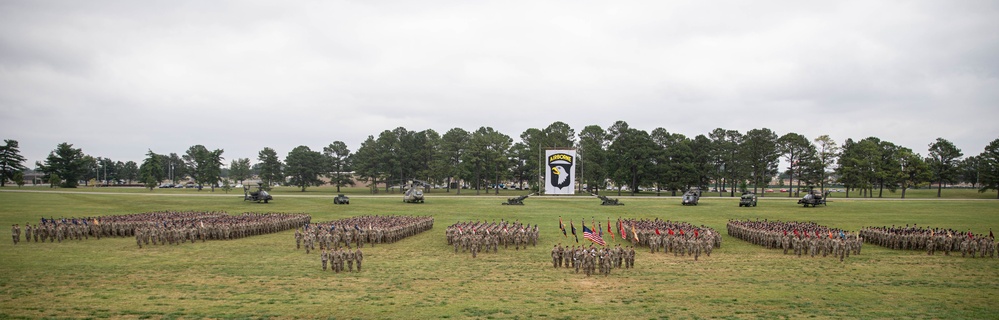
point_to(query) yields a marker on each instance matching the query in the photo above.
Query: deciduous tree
(989, 166)
(593, 157)
(338, 164)
(304, 166)
(269, 168)
(761, 155)
(943, 159)
(205, 165)
(151, 170)
(240, 169)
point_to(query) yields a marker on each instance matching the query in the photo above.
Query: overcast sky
(117, 78)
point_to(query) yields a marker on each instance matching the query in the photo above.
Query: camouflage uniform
(358, 257)
(325, 256)
(15, 233)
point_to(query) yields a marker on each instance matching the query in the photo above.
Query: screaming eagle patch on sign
(561, 171)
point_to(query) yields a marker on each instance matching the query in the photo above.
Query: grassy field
(420, 277)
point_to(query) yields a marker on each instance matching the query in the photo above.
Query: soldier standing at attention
(577, 258)
(298, 240)
(358, 256)
(27, 232)
(555, 257)
(15, 232)
(631, 256)
(349, 256)
(325, 256)
(335, 259)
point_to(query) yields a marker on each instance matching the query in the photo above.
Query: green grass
(420, 277)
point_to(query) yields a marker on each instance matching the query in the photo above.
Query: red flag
(620, 228)
(657, 231)
(671, 232)
(609, 229)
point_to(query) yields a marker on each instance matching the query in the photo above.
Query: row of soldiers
(677, 237)
(344, 232)
(474, 237)
(589, 259)
(339, 256)
(161, 227)
(801, 238)
(219, 227)
(931, 240)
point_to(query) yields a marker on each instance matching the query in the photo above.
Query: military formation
(346, 232)
(799, 238)
(168, 227)
(590, 259)
(932, 240)
(335, 239)
(475, 237)
(340, 256)
(339, 242)
(676, 237)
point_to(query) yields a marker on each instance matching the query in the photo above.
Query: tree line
(618, 156)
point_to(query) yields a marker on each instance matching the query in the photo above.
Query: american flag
(589, 234)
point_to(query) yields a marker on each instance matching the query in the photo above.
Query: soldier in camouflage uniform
(325, 256)
(606, 262)
(555, 256)
(27, 232)
(349, 257)
(358, 257)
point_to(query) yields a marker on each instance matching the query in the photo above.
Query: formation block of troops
(803, 238)
(931, 240)
(339, 256)
(679, 238)
(336, 238)
(358, 231)
(591, 258)
(474, 237)
(168, 227)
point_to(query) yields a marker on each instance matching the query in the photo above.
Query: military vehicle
(257, 196)
(748, 199)
(813, 198)
(518, 201)
(414, 194)
(691, 196)
(605, 201)
(341, 199)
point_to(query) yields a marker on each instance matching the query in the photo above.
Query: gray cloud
(118, 78)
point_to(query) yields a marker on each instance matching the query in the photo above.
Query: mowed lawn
(420, 277)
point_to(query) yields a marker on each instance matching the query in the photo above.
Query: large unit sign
(561, 171)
